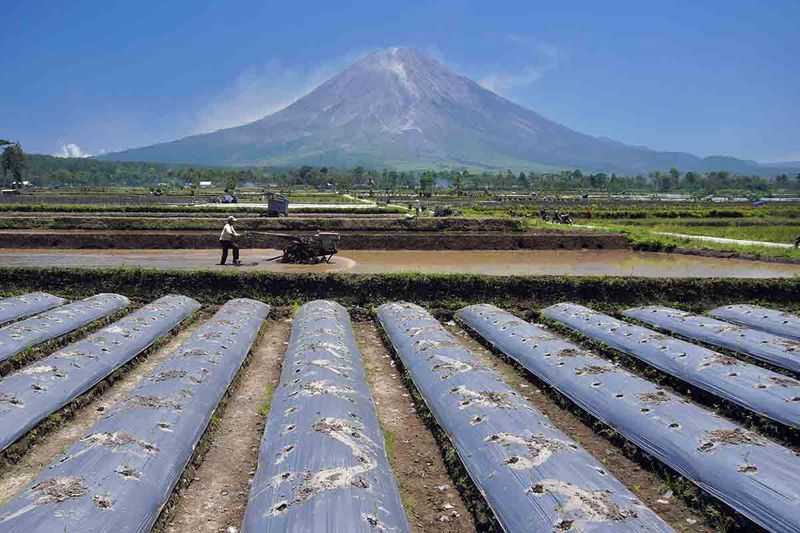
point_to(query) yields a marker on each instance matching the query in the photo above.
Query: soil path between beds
(431, 500)
(216, 498)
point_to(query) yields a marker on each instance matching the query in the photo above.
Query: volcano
(397, 108)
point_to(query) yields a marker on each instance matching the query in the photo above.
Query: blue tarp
(750, 473)
(322, 464)
(18, 336)
(30, 395)
(766, 347)
(27, 305)
(119, 476)
(769, 320)
(533, 476)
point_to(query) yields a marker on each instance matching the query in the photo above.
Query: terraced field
(123, 414)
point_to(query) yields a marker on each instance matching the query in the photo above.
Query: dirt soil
(645, 484)
(250, 222)
(217, 496)
(188, 214)
(15, 477)
(350, 240)
(431, 500)
(735, 255)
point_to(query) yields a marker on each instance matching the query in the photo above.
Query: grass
(263, 407)
(645, 239)
(779, 234)
(648, 241)
(408, 501)
(779, 224)
(322, 198)
(638, 211)
(437, 291)
(779, 230)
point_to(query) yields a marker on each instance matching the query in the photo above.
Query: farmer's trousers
(229, 245)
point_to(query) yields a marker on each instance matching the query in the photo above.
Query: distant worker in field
(226, 240)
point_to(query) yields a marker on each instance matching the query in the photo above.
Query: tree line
(49, 171)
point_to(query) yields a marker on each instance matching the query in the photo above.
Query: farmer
(226, 241)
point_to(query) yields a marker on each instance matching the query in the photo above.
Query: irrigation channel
(168, 415)
(495, 262)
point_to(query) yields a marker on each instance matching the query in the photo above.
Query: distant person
(797, 242)
(226, 240)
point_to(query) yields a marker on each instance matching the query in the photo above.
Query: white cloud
(543, 58)
(504, 82)
(260, 90)
(71, 150)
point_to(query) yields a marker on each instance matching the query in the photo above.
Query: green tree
(13, 161)
(691, 179)
(458, 183)
(426, 183)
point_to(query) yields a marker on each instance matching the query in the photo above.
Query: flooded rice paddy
(494, 262)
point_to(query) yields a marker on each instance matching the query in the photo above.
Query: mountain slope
(399, 108)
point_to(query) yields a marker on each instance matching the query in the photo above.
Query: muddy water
(497, 262)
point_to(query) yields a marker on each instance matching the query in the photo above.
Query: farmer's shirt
(228, 233)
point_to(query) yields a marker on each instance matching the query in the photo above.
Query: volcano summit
(398, 108)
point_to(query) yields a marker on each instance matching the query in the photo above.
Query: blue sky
(707, 77)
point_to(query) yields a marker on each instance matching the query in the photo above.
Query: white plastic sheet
(753, 316)
(757, 389)
(27, 397)
(533, 476)
(18, 336)
(750, 473)
(766, 347)
(26, 305)
(119, 476)
(322, 464)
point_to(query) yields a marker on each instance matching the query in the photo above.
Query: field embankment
(438, 291)
(354, 240)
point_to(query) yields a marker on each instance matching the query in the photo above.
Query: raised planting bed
(49, 325)
(30, 395)
(761, 318)
(752, 475)
(19, 307)
(322, 464)
(532, 476)
(778, 351)
(119, 476)
(760, 390)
